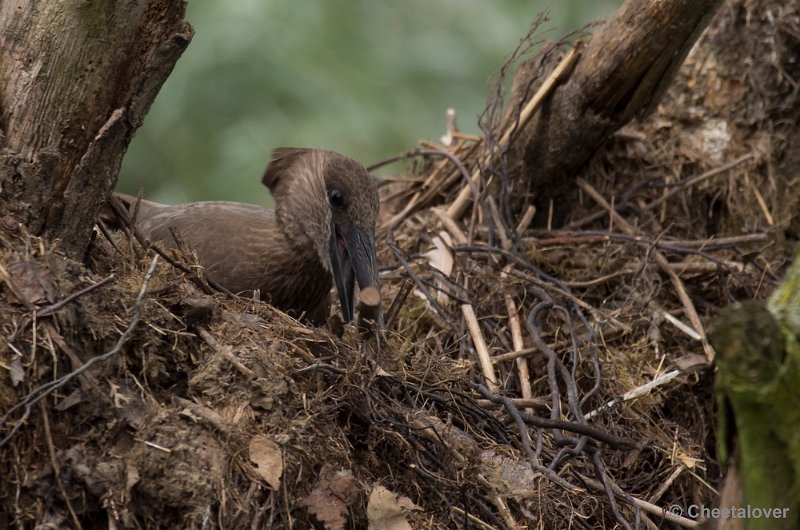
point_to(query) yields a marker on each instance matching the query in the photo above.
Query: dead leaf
(268, 460)
(385, 511)
(118, 397)
(16, 371)
(441, 257)
(690, 361)
(509, 475)
(29, 281)
(70, 401)
(132, 475)
(331, 497)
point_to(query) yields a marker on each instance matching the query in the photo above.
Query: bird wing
(235, 243)
(243, 248)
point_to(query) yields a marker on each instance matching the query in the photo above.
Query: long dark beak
(354, 259)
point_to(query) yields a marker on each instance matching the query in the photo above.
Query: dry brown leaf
(268, 460)
(509, 475)
(30, 282)
(385, 511)
(16, 371)
(441, 257)
(330, 498)
(690, 361)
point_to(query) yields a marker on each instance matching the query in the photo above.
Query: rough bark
(623, 73)
(76, 79)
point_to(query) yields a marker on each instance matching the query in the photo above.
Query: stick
(49, 310)
(225, 351)
(518, 402)
(480, 347)
(505, 243)
(451, 226)
(644, 505)
(525, 220)
(698, 179)
(516, 341)
(636, 392)
(52, 450)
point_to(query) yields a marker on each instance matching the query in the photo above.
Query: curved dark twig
(524, 436)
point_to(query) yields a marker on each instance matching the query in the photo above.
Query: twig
(505, 243)
(763, 205)
(321, 367)
(609, 439)
(415, 201)
(397, 303)
(718, 242)
(681, 326)
(692, 181)
(524, 436)
(505, 513)
(527, 217)
(56, 469)
(473, 519)
(104, 230)
(574, 237)
(451, 226)
(49, 310)
(636, 392)
(226, 352)
(608, 488)
(517, 342)
(156, 446)
(211, 416)
(480, 347)
(644, 505)
(518, 402)
(452, 127)
(524, 352)
(45, 390)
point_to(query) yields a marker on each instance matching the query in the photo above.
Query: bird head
(330, 202)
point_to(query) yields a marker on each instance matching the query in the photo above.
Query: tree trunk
(623, 73)
(76, 80)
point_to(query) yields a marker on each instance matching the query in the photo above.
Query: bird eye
(336, 197)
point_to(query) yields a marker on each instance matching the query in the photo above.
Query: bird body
(321, 232)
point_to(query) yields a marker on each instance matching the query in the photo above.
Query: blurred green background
(366, 78)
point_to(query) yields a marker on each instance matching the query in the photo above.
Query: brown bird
(322, 229)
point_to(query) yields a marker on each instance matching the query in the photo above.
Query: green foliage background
(362, 77)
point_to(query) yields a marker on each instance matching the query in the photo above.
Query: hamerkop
(322, 229)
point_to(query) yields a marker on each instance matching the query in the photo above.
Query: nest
(528, 377)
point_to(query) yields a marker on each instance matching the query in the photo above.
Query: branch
(622, 74)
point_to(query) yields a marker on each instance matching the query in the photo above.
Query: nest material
(529, 377)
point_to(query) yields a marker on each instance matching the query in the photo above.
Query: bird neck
(306, 225)
(300, 280)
